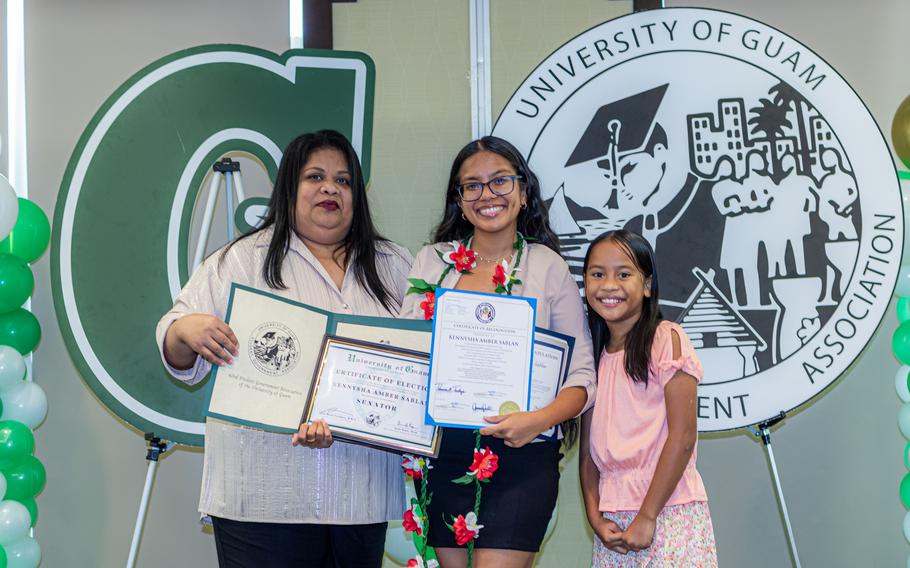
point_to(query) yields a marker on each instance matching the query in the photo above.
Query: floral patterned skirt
(683, 538)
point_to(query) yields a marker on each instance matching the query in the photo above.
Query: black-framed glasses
(499, 186)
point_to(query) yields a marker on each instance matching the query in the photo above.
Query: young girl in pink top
(643, 497)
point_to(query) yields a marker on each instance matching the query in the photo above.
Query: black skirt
(516, 504)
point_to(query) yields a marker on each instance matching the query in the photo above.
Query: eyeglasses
(499, 186)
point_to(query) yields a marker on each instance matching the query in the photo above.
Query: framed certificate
(269, 383)
(552, 356)
(373, 394)
(481, 358)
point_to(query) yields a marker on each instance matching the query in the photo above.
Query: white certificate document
(481, 358)
(375, 395)
(269, 381)
(552, 354)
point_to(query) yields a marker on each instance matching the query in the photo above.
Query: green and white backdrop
(840, 456)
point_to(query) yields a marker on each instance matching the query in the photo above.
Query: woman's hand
(315, 434)
(639, 534)
(517, 429)
(202, 334)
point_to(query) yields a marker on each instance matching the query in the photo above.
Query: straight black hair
(641, 337)
(533, 221)
(359, 245)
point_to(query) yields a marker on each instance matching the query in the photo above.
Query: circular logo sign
(755, 171)
(274, 349)
(485, 312)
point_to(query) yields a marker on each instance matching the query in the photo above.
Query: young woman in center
(493, 207)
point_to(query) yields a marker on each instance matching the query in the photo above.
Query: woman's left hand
(639, 534)
(315, 434)
(517, 429)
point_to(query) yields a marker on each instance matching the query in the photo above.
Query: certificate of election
(374, 394)
(481, 358)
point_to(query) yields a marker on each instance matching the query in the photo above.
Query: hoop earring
(463, 217)
(524, 205)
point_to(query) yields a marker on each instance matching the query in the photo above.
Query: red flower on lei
(427, 305)
(463, 258)
(413, 466)
(500, 275)
(485, 464)
(411, 522)
(466, 528)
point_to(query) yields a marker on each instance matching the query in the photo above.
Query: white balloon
(26, 403)
(9, 207)
(907, 527)
(12, 367)
(3, 489)
(14, 522)
(398, 544)
(900, 383)
(24, 553)
(399, 548)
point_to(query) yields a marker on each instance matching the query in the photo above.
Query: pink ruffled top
(629, 426)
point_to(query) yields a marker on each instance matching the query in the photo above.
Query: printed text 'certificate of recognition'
(483, 347)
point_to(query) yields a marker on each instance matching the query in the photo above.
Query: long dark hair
(359, 245)
(533, 221)
(638, 342)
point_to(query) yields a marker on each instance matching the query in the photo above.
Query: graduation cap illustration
(633, 116)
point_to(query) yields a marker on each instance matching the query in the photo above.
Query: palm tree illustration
(787, 96)
(770, 119)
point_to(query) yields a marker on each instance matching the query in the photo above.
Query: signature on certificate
(481, 407)
(457, 389)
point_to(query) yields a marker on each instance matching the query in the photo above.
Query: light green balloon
(24, 553)
(903, 420)
(31, 233)
(25, 402)
(12, 367)
(14, 523)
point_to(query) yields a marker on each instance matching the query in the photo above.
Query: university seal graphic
(755, 171)
(122, 222)
(274, 349)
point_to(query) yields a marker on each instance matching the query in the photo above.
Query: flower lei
(466, 528)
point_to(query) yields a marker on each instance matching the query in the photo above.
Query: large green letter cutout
(123, 213)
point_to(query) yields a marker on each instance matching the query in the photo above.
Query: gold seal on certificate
(509, 407)
(483, 347)
(373, 394)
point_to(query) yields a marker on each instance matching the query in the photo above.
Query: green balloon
(20, 330)
(905, 491)
(907, 455)
(32, 507)
(3, 560)
(25, 479)
(31, 233)
(16, 282)
(903, 309)
(900, 132)
(16, 443)
(900, 343)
